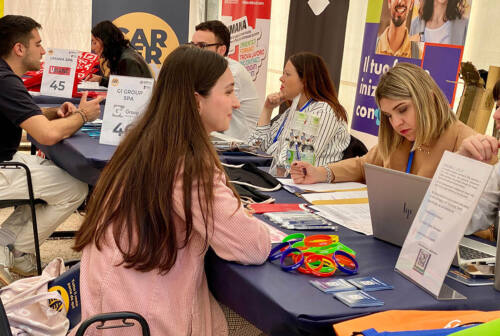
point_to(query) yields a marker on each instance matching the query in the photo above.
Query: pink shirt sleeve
(234, 236)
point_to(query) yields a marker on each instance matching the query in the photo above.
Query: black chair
(31, 201)
(354, 149)
(102, 318)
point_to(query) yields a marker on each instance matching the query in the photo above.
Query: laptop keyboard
(467, 253)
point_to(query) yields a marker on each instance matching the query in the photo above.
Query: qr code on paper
(422, 261)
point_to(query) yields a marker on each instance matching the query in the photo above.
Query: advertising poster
(154, 28)
(428, 33)
(249, 23)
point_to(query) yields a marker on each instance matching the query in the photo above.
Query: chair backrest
(355, 148)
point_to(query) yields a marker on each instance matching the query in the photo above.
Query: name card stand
(127, 98)
(59, 72)
(440, 223)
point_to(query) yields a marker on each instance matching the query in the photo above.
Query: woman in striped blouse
(314, 128)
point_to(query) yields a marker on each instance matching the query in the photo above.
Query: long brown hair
(135, 192)
(318, 85)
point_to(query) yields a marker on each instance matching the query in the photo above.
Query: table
(52, 100)
(55, 101)
(84, 157)
(281, 303)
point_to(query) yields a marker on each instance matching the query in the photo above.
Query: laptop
(394, 198)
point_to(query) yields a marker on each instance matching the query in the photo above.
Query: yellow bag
(403, 320)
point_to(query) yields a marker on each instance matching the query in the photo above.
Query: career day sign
(152, 37)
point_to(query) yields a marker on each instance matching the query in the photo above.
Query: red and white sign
(248, 22)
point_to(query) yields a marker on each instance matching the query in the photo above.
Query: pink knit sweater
(178, 303)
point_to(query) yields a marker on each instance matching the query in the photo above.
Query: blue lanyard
(284, 121)
(410, 162)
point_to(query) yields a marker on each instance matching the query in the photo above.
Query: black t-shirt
(16, 105)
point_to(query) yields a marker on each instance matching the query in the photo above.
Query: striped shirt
(332, 139)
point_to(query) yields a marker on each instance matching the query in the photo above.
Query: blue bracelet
(349, 271)
(276, 251)
(292, 267)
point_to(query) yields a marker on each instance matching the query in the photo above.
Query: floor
(53, 248)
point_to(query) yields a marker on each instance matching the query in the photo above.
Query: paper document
(323, 187)
(345, 197)
(353, 216)
(441, 220)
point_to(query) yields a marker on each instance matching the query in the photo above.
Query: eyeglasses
(203, 45)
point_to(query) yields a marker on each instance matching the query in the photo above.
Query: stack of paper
(343, 203)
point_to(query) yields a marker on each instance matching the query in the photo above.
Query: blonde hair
(432, 111)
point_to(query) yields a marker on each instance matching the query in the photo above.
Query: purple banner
(395, 31)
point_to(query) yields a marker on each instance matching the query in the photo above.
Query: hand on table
(92, 78)
(305, 173)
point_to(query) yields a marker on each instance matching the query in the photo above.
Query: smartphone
(479, 270)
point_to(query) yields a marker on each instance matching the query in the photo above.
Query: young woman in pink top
(162, 200)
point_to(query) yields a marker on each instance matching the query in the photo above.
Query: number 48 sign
(59, 72)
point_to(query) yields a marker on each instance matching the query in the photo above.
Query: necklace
(424, 149)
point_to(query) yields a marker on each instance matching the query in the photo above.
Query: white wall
(66, 23)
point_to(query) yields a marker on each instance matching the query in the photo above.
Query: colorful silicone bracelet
(296, 264)
(319, 271)
(335, 238)
(340, 264)
(294, 236)
(302, 268)
(276, 252)
(300, 245)
(318, 240)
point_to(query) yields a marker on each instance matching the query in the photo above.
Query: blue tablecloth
(55, 101)
(84, 157)
(281, 303)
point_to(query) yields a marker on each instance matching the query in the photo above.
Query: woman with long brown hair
(162, 200)
(314, 128)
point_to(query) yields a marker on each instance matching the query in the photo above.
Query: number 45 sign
(59, 72)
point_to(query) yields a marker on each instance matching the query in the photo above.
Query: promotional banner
(248, 23)
(1, 8)
(154, 28)
(402, 31)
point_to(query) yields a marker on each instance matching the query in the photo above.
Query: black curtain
(323, 34)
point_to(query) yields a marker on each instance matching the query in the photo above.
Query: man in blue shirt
(21, 51)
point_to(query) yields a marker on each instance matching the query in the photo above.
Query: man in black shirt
(21, 51)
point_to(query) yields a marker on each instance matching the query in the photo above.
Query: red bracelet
(324, 259)
(318, 240)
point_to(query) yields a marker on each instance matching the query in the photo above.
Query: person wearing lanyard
(416, 127)
(482, 147)
(313, 128)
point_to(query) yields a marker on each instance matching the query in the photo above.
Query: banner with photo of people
(154, 28)
(428, 33)
(248, 23)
